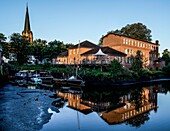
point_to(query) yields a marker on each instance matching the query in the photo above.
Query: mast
(78, 59)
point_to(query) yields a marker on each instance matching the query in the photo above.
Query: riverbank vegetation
(113, 73)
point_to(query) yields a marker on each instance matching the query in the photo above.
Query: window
(132, 42)
(126, 60)
(141, 45)
(138, 44)
(70, 52)
(130, 51)
(124, 41)
(129, 42)
(74, 51)
(125, 51)
(122, 59)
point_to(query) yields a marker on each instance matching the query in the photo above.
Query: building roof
(84, 44)
(62, 54)
(111, 33)
(106, 50)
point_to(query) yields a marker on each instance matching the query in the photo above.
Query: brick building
(73, 55)
(88, 53)
(129, 46)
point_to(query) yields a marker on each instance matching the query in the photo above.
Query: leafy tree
(137, 64)
(115, 67)
(100, 40)
(166, 70)
(2, 38)
(4, 45)
(40, 49)
(19, 45)
(166, 56)
(56, 47)
(137, 31)
(37, 48)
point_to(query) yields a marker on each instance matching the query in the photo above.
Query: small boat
(35, 81)
(72, 89)
(73, 81)
(46, 77)
(75, 90)
(21, 77)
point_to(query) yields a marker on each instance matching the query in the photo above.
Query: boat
(71, 89)
(73, 81)
(35, 81)
(21, 77)
(46, 77)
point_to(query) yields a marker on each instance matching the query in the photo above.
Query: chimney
(157, 42)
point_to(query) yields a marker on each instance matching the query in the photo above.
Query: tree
(166, 56)
(2, 38)
(56, 47)
(4, 45)
(136, 31)
(19, 45)
(138, 120)
(41, 49)
(37, 48)
(116, 67)
(137, 63)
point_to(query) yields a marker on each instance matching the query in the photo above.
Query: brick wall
(130, 46)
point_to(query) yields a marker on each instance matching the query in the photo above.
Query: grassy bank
(93, 74)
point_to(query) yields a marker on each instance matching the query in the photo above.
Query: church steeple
(27, 29)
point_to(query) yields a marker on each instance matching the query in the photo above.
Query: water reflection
(114, 107)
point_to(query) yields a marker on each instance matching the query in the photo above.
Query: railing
(98, 62)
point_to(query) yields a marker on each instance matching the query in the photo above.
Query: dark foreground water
(144, 108)
(117, 108)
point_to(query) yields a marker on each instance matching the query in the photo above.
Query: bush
(46, 65)
(166, 70)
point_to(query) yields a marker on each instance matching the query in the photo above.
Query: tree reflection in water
(116, 105)
(138, 120)
(138, 98)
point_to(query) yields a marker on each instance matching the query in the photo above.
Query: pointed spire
(27, 27)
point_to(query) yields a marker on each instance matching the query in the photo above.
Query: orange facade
(130, 46)
(74, 55)
(123, 44)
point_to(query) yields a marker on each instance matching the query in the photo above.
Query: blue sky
(73, 20)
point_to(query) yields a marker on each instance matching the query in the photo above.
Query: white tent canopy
(100, 53)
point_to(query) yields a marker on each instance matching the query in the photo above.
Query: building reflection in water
(114, 107)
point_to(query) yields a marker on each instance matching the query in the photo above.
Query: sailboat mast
(78, 56)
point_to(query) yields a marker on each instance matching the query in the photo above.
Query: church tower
(27, 29)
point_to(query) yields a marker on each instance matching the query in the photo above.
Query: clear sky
(73, 20)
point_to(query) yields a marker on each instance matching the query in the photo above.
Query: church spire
(27, 29)
(27, 21)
